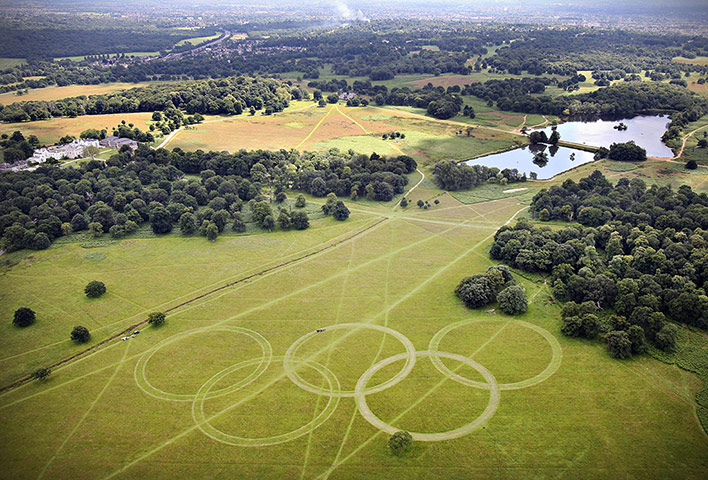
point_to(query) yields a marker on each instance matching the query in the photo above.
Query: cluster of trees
(16, 147)
(149, 186)
(449, 175)
(627, 152)
(227, 96)
(625, 100)
(496, 284)
(593, 202)
(645, 261)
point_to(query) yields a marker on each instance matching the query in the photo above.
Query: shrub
(24, 317)
(300, 202)
(41, 373)
(95, 289)
(691, 165)
(666, 338)
(156, 319)
(80, 334)
(400, 442)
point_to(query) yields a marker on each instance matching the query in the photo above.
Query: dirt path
(685, 139)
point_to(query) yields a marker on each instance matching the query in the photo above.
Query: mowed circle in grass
(235, 350)
(358, 357)
(267, 410)
(525, 347)
(376, 421)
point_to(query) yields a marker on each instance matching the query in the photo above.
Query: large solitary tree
(95, 289)
(24, 317)
(80, 334)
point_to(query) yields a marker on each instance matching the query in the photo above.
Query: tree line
(230, 96)
(150, 186)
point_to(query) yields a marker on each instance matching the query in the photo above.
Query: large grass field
(306, 127)
(238, 383)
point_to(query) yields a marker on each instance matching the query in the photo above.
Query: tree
(95, 289)
(156, 319)
(666, 338)
(260, 211)
(328, 207)
(187, 223)
(24, 317)
(512, 300)
(404, 202)
(95, 229)
(691, 165)
(80, 334)
(91, 151)
(702, 143)
(284, 221)
(239, 225)
(211, 231)
(554, 138)
(636, 336)
(476, 291)
(400, 442)
(300, 202)
(160, 220)
(79, 222)
(340, 212)
(300, 220)
(618, 344)
(41, 373)
(268, 223)
(420, 203)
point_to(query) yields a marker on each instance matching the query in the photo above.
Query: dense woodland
(637, 256)
(131, 189)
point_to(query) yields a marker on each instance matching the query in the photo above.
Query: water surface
(559, 160)
(646, 131)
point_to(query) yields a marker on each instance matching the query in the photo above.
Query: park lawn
(95, 419)
(336, 126)
(51, 130)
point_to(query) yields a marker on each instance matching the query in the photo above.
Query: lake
(559, 160)
(646, 131)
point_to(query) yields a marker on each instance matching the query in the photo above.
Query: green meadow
(239, 383)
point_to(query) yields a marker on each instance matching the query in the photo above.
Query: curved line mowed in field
(190, 301)
(312, 357)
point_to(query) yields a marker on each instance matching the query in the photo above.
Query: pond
(646, 131)
(560, 159)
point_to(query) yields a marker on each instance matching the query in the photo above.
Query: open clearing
(238, 383)
(357, 128)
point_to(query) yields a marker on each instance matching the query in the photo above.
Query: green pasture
(6, 63)
(238, 383)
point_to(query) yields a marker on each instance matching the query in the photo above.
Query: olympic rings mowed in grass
(216, 434)
(333, 389)
(409, 356)
(370, 417)
(147, 387)
(547, 372)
